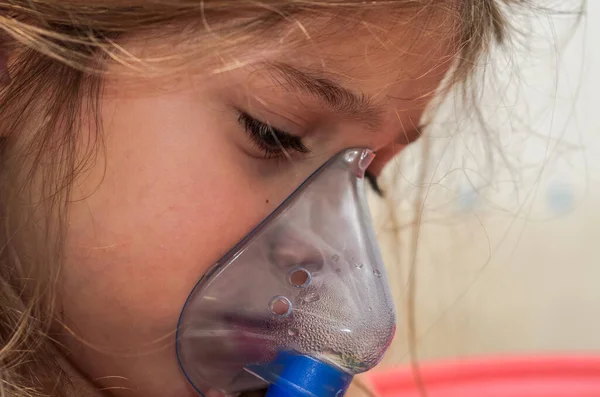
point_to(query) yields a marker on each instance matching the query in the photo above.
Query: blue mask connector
(295, 375)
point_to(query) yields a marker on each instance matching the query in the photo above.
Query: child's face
(179, 181)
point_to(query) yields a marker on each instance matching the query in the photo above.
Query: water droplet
(293, 332)
(335, 258)
(310, 298)
(359, 265)
(377, 273)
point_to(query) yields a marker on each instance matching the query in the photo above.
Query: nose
(292, 247)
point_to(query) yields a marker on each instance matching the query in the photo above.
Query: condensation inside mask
(308, 279)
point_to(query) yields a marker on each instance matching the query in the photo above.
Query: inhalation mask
(302, 303)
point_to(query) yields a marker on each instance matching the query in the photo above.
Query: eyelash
(272, 141)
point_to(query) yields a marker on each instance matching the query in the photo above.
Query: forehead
(395, 58)
(402, 39)
(398, 52)
(368, 50)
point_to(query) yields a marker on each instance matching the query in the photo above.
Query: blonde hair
(57, 50)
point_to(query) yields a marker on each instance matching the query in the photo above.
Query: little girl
(142, 139)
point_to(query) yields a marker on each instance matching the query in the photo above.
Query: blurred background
(507, 258)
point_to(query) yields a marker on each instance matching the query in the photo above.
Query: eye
(271, 141)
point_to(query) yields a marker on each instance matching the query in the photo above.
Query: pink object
(543, 376)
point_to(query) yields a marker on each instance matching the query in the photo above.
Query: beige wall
(516, 267)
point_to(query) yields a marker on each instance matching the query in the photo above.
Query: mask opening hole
(300, 278)
(280, 306)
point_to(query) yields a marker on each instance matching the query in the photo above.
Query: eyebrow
(334, 95)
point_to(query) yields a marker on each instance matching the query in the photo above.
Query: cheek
(144, 229)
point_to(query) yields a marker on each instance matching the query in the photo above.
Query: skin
(178, 181)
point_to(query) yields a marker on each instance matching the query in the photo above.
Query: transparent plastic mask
(308, 279)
